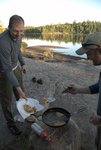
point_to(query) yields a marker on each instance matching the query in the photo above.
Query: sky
(46, 12)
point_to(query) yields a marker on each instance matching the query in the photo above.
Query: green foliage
(23, 45)
(1, 28)
(34, 30)
(85, 27)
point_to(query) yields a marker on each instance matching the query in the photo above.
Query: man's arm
(93, 89)
(5, 60)
(77, 90)
(22, 62)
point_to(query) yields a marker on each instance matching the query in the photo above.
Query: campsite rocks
(56, 77)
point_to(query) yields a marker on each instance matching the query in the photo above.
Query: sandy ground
(56, 76)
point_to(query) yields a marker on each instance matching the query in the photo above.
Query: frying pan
(58, 117)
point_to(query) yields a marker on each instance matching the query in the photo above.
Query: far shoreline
(45, 52)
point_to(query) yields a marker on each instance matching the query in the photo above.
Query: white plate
(31, 102)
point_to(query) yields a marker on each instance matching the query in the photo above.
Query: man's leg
(98, 138)
(6, 99)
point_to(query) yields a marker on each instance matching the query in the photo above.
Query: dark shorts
(98, 138)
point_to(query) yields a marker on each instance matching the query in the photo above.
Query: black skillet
(56, 117)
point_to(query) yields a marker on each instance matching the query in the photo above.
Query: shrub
(23, 45)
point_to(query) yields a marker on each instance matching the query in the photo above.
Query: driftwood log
(63, 138)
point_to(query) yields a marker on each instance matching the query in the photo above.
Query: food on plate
(31, 118)
(44, 101)
(29, 109)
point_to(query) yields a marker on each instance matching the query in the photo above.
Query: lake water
(69, 49)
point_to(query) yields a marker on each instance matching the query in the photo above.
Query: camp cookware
(57, 117)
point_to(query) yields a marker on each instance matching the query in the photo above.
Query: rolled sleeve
(94, 88)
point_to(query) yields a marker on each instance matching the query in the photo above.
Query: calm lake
(69, 49)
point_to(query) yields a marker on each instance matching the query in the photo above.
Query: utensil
(57, 117)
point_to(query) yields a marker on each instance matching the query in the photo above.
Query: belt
(14, 67)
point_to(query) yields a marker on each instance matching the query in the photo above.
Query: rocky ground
(55, 77)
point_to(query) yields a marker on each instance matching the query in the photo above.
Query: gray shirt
(10, 54)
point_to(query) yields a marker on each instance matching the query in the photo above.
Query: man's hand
(71, 89)
(76, 90)
(21, 93)
(95, 120)
(24, 68)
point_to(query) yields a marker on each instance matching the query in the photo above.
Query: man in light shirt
(10, 71)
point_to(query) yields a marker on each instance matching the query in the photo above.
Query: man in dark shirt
(91, 46)
(10, 71)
